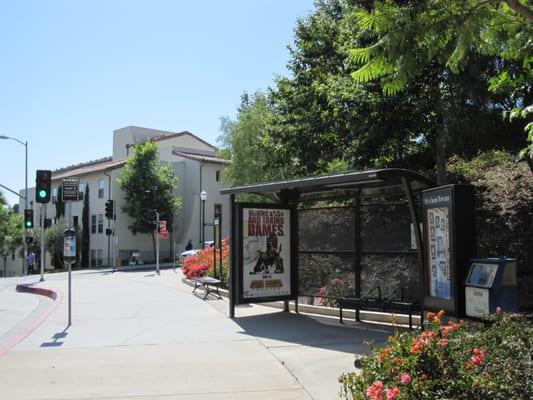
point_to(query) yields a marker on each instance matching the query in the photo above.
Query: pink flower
(375, 391)
(443, 342)
(498, 309)
(405, 378)
(392, 393)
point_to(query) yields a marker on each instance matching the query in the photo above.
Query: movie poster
(266, 252)
(439, 252)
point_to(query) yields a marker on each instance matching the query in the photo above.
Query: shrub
(451, 361)
(504, 200)
(202, 263)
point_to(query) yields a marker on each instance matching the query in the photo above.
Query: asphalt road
(139, 335)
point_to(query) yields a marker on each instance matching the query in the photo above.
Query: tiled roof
(201, 157)
(103, 164)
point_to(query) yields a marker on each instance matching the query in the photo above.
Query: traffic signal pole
(43, 217)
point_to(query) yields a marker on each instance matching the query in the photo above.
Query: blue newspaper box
(490, 283)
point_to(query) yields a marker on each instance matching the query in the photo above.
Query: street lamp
(25, 144)
(203, 197)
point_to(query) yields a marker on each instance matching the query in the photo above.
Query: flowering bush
(337, 287)
(202, 263)
(450, 361)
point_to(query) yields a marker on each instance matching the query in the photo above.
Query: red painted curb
(52, 294)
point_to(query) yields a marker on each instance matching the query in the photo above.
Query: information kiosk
(491, 283)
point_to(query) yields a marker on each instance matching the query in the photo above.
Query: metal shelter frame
(349, 185)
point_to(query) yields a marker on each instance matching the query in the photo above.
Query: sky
(71, 72)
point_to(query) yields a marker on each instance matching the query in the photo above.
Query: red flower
(392, 393)
(443, 342)
(375, 391)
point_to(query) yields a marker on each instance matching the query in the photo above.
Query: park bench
(375, 302)
(207, 283)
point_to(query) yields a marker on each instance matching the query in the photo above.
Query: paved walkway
(139, 335)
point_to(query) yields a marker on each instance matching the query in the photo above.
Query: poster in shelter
(439, 252)
(266, 258)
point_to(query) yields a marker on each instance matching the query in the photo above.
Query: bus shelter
(318, 239)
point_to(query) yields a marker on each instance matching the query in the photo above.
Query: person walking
(30, 260)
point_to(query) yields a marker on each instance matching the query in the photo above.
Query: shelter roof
(315, 187)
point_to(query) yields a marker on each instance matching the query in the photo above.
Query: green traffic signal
(42, 194)
(28, 219)
(29, 224)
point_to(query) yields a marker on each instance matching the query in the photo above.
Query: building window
(218, 176)
(100, 223)
(218, 213)
(100, 257)
(54, 195)
(93, 223)
(81, 191)
(100, 188)
(93, 258)
(75, 221)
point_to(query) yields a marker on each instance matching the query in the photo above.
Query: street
(146, 336)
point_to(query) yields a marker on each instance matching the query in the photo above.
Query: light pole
(203, 197)
(25, 144)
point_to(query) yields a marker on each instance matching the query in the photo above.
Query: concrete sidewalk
(141, 335)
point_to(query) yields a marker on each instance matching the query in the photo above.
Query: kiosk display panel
(482, 275)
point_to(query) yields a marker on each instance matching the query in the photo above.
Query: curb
(56, 297)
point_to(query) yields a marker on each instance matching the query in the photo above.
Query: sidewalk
(146, 336)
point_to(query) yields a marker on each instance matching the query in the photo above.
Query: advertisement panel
(265, 259)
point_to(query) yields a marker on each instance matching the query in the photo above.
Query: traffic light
(28, 219)
(43, 186)
(109, 209)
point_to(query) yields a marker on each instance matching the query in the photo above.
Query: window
(81, 191)
(54, 195)
(218, 176)
(93, 258)
(100, 188)
(100, 223)
(75, 221)
(218, 213)
(100, 257)
(93, 223)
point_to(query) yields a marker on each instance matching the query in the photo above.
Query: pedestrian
(30, 260)
(189, 245)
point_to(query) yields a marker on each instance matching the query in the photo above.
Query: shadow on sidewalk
(312, 331)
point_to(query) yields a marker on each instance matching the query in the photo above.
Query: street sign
(69, 246)
(70, 189)
(163, 235)
(162, 226)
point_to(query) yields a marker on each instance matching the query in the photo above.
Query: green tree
(148, 186)
(53, 241)
(59, 204)
(406, 38)
(11, 233)
(244, 142)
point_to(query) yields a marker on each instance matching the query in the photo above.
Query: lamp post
(203, 197)
(25, 144)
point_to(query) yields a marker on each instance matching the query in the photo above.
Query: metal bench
(377, 303)
(207, 283)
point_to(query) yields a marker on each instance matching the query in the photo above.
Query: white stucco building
(194, 162)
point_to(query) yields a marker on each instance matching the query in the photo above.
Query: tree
(244, 142)
(148, 187)
(60, 205)
(53, 241)
(406, 38)
(11, 233)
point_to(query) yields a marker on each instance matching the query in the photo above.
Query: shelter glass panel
(396, 275)
(385, 227)
(326, 275)
(326, 229)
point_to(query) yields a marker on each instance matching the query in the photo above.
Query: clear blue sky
(71, 72)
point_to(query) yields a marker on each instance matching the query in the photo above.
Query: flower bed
(202, 263)
(450, 361)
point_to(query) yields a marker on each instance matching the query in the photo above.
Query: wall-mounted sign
(266, 267)
(70, 187)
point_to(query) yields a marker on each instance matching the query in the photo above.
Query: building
(198, 169)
